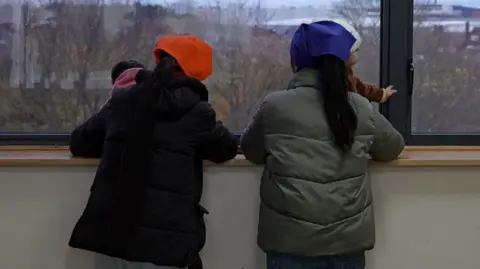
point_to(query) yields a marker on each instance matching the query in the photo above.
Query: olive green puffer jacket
(314, 199)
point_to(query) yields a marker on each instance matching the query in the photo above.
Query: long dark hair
(151, 83)
(139, 126)
(148, 93)
(341, 116)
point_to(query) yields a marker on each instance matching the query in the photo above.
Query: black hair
(151, 89)
(120, 67)
(140, 127)
(334, 86)
(162, 72)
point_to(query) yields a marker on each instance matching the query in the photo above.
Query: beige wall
(426, 217)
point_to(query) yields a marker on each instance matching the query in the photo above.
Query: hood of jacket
(179, 95)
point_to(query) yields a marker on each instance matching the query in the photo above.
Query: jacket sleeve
(368, 90)
(252, 142)
(87, 139)
(217, 143)
(388, 143)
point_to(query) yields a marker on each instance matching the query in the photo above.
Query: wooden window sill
(434, 156)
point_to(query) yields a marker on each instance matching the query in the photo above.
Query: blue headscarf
(320, 38)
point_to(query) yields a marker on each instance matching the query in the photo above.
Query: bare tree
(250, 61)
(67, 55)
(146, 23)
(64, 41)
(68, 43)
(357, 12)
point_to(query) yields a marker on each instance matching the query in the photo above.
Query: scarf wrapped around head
(330, 37)
(194, 56)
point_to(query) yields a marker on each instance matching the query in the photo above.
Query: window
(446, 92)
(56, 56)
(429, 55)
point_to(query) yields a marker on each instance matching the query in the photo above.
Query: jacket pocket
(201, 227)
(202, 210)
(194, 260)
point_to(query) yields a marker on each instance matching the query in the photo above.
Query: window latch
(411, 76)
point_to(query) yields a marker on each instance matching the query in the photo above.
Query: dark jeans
(347, 261)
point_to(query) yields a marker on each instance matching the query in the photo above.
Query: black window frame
(34, 139)
(395, 53)
(396, 36)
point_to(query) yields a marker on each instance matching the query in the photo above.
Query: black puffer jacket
(144, 202)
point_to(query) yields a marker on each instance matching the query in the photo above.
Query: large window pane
(56, 56)
(446, 50)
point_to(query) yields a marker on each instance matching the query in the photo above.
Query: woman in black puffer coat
(144, 207)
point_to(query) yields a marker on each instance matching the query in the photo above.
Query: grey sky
(274, 3)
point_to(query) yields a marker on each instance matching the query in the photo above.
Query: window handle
(411, 76)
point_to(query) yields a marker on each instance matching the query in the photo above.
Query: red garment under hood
(126, 79)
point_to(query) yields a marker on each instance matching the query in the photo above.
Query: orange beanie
(194, 56)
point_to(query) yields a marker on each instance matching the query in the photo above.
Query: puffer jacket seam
(316, 182)
(153, 187)
(193, 233)
(325, 139)
(320, 224)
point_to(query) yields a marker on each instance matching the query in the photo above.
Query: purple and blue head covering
(328, 37)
